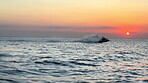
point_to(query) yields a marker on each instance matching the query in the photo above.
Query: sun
(127, 33)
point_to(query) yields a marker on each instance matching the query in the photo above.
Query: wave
(46, 62)
(63, 63)
(7, 80)
(5, 55)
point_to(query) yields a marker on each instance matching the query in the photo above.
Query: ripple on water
(60, 63)
(5, 55)
(8, 80)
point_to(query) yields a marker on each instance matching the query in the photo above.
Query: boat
(103, 40)
(94, 39)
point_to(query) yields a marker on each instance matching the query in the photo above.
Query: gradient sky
(74, 18)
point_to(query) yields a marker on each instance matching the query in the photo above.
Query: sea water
(50, 60)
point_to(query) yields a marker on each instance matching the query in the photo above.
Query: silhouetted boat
(103, 40)
(94, 39)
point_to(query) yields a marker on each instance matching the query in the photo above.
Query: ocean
(54, 60)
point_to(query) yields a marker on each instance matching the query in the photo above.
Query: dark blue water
(44, 60)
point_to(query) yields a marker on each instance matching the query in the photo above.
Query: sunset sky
(74, 18)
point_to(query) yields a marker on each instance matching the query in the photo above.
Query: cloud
(59, 27)
(66, 27)
(105, 27)
(48, 28)
(11, 26)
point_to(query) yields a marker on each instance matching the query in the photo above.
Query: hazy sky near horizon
(75, 18)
